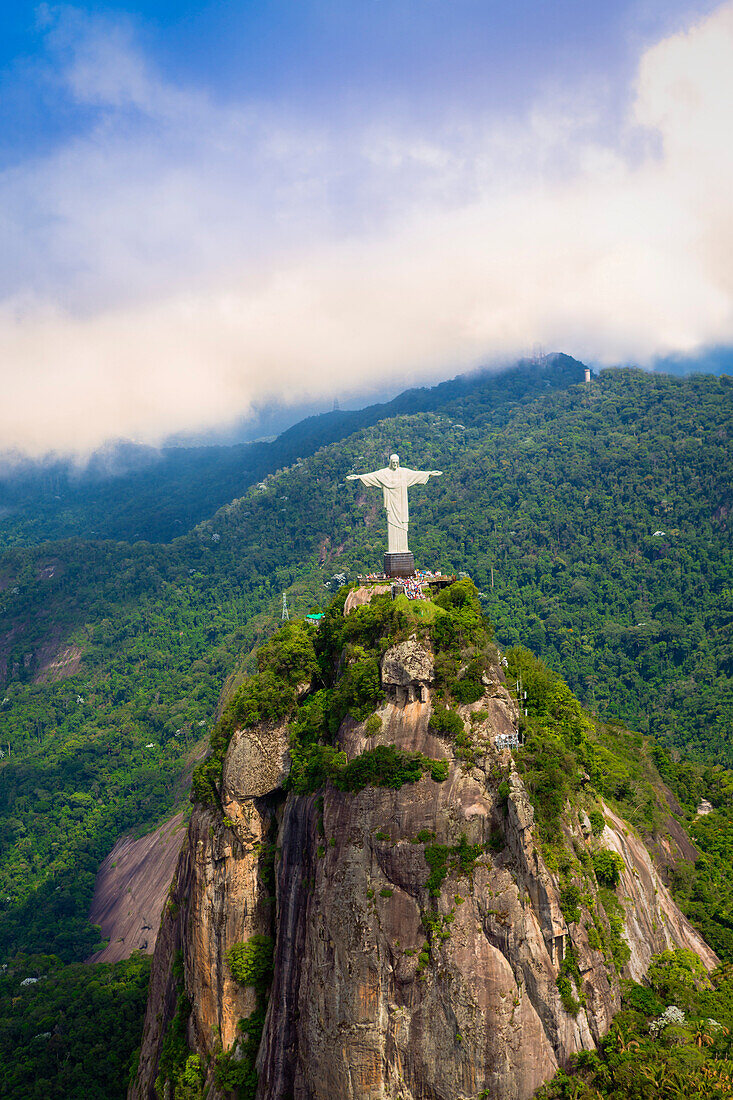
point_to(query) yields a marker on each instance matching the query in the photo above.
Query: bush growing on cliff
(384, 766)
(465, 626)
(205, 781)
(174, 1053)
(436, 857)
(570, 902)
(285, 661)
(250, 962)
(460, 858)
(312, 766)
(373, 726)
(263, 697)
(289, 654)
(608, 867)
(568, 978)
(358, 693)
(445, 720)
(388, 766)
(616, 915)
(467, 687)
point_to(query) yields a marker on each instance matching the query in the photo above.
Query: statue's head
(394, 461)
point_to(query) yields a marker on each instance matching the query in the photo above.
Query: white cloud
(181, 260)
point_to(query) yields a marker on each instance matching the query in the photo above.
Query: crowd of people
(413, 586)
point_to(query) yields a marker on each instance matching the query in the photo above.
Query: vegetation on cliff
(672, 1040)
(570, 755)
(338, 663)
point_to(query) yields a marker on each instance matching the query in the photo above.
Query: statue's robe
(394, 485)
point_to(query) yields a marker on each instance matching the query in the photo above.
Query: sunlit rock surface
(361, 1007)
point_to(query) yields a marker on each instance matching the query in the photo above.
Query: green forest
(595, 521)
(70, 1031)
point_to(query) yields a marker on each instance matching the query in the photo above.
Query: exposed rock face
(407, 670)
(130, 890)
(407, 663)
(217, 900)
(224, 905)
(363, 1013)
(357, 597)
(258, 761)
(653, 922)
(65, 662)
(391, 981)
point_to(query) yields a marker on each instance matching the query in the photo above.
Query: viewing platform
(411, 586)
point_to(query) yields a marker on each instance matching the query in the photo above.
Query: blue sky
(207, 208)
(413, 57)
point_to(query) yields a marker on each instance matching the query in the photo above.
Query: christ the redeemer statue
(394, 481)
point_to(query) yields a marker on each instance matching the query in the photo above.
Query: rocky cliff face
(131, 889)
(419, 933)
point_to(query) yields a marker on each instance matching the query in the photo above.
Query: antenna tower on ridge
(286, 613)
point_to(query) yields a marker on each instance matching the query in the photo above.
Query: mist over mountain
(132, 492)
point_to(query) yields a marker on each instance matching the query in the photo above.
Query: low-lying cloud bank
(182, 261)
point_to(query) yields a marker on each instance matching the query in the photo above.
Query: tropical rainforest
(594, 520)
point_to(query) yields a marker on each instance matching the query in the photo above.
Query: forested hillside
(132, 492)
(603, 511)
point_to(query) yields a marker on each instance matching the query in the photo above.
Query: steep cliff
(433, 939)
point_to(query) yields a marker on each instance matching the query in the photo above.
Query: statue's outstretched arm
(366, 479)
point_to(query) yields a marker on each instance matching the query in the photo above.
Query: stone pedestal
(399, 565)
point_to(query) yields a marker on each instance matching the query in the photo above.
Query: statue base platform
(399, 565)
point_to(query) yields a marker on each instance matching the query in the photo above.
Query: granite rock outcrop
(258, 761)
(407, 670)
(419, 933)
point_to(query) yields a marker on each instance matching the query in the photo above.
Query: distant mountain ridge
(130, 492)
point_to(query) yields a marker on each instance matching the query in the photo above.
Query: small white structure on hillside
(507, 741)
